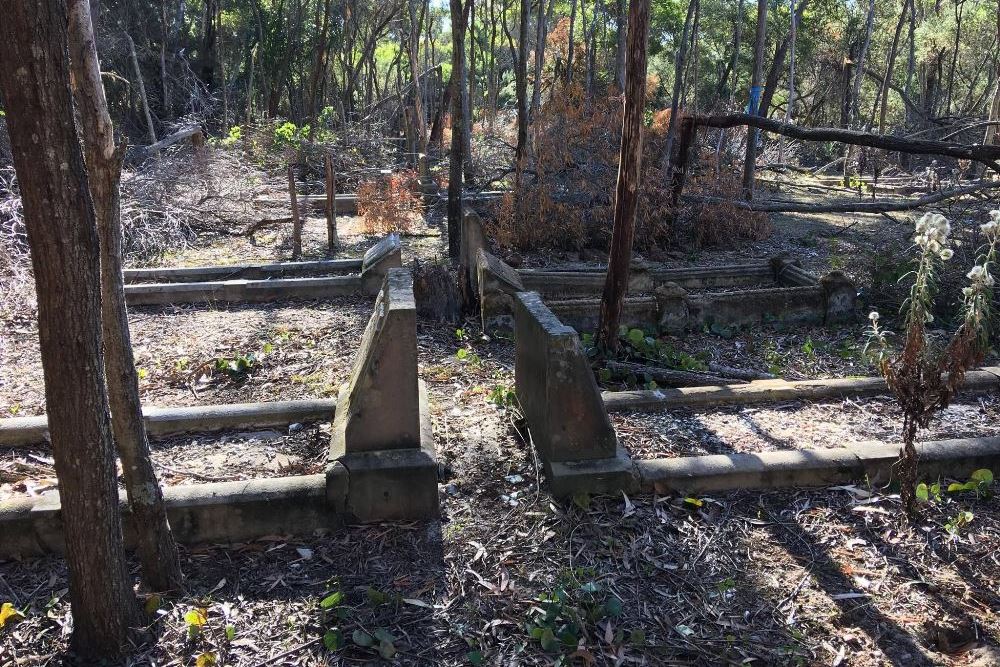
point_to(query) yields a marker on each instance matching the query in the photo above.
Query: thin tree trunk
(521, 85)
(65, 255)
(854, 102)
(208, 44)
(750, 160)
(142, 88)
(991, 130)
(468, 74)
(154, 541)
(413, 42)
(458, 19)
(680, 58)
(790, 106)
(569, 53)
(296, 220)
(882, 99)
(629, 178)
(540, 36)
(164, 37)
(620, 44)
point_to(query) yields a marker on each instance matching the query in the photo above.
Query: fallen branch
(847, 207)
(266, 222)
(170, 140)
(987, 154)
(665, 376)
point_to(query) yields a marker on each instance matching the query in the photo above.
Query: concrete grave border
(186, 285)
(567, 418)
(387, 480)
(664, 297)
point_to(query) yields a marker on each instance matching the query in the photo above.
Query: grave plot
(376, 462)
(670, 299)
(265, 282)
(594, 442)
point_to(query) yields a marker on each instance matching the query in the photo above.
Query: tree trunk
(468, 73)
(680, 58)
(65, 255)
(208, 44)
(521, 85)
(540, 36)
(749, 162)
(569, 52)
(778, 64)
(853, 101)
(620, 45)
(420, 125)
(140, 85)
(629, 176)
(154, 541)
(458, 19)
(991, 130)
(882, 99)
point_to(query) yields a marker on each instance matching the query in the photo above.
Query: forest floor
(826, 576)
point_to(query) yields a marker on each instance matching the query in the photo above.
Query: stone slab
(378, 408)
(608, 475)
(556, 387)
(389, 484)
(385, 255)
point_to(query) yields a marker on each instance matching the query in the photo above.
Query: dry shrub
(722, 224)
(565, 198)
(389, 203)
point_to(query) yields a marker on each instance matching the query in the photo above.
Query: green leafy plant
(563, 616)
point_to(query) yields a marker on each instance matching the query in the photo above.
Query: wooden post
(758, 74)
(331, 206)
(629, 171)
(296, 220)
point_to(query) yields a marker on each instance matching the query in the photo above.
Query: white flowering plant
(924, 377)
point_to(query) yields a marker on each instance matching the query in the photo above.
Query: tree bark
(620, 45)
(680, 59)
(141, 86)
(521, 85)
(569, 51)
(65, 255)
(882, 99)
(154, 541)
(750, 160)
(540, 36)
(455, 159)
(629, 176)
(778, 64)
(208, 44)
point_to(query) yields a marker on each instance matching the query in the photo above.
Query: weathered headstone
(381, 441)
(498, 285)
(384, 255)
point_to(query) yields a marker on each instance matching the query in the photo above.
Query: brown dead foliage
(389, 203)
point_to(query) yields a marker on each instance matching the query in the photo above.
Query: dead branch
(847, 207)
